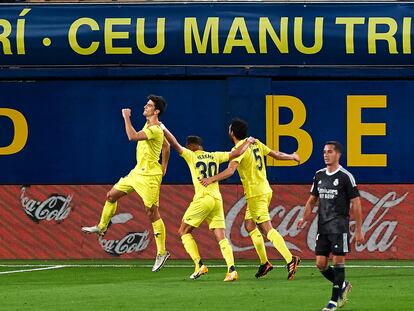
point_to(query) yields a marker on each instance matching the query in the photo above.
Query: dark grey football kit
(335, 191)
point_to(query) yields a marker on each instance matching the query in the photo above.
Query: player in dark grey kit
(337, 191)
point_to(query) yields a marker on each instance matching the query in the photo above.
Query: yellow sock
(191, 248)
(108, 211)
(227, 253)
(259, 245)
(279, 244)
(159, 234)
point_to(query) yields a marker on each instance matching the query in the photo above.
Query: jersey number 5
(258, 158)
(207, 170)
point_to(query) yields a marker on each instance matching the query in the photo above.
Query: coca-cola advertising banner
(44, 222)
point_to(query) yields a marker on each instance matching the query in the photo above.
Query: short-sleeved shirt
(335, 191)
(252, 169)
(204, 164)
(149, 151)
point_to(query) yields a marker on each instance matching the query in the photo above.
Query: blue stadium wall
(299, 74)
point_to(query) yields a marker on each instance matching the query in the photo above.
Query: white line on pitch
(171, 266)
(35, 269)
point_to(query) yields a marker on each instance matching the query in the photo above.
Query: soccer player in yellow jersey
(145, 178)
(207, 203)
(252, 171)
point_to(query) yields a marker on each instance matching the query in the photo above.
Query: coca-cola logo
(130, 243)
(379, 233)
(56, 207)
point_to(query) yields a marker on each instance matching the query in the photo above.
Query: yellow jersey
(252, 169)
(149, 151)
(203, 164)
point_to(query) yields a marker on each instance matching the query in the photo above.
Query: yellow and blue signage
(299, 74)
(260, 34)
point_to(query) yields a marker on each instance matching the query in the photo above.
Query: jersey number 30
(207, 170)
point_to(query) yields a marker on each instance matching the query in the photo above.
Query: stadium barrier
(43, 222)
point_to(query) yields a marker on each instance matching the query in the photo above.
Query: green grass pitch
(130, 285)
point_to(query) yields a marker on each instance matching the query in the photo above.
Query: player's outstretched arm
(171, 139)
(229, 171)
(357, 210)
(129, 129)
(308, 210)
(284, 156)
(165, 153)
(242, 148)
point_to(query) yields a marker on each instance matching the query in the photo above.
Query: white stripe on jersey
(321, 170)
(351, 177)
(334, 172)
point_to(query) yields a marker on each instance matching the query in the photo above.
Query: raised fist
(126, 112)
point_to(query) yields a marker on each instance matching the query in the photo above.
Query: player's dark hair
(239, 128)
(337, 145)
(159, 102)
(194, 140)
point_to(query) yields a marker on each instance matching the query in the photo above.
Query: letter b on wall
(20, 131)
(274, 130)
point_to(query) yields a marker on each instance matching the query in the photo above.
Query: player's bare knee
(182, 231)
(321, 265)
(150, 212)
(110, 197)
(220, 234)
(265, 227)
(153, 214)
(250, 225)
(185, 229)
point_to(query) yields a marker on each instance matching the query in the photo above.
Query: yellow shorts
(258, 208)
(205, 208)
(147, 187)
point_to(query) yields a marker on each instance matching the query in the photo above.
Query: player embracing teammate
(258, 193)
(333, 186)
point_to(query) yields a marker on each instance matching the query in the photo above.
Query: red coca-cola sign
(383, 223)
(44, 222)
